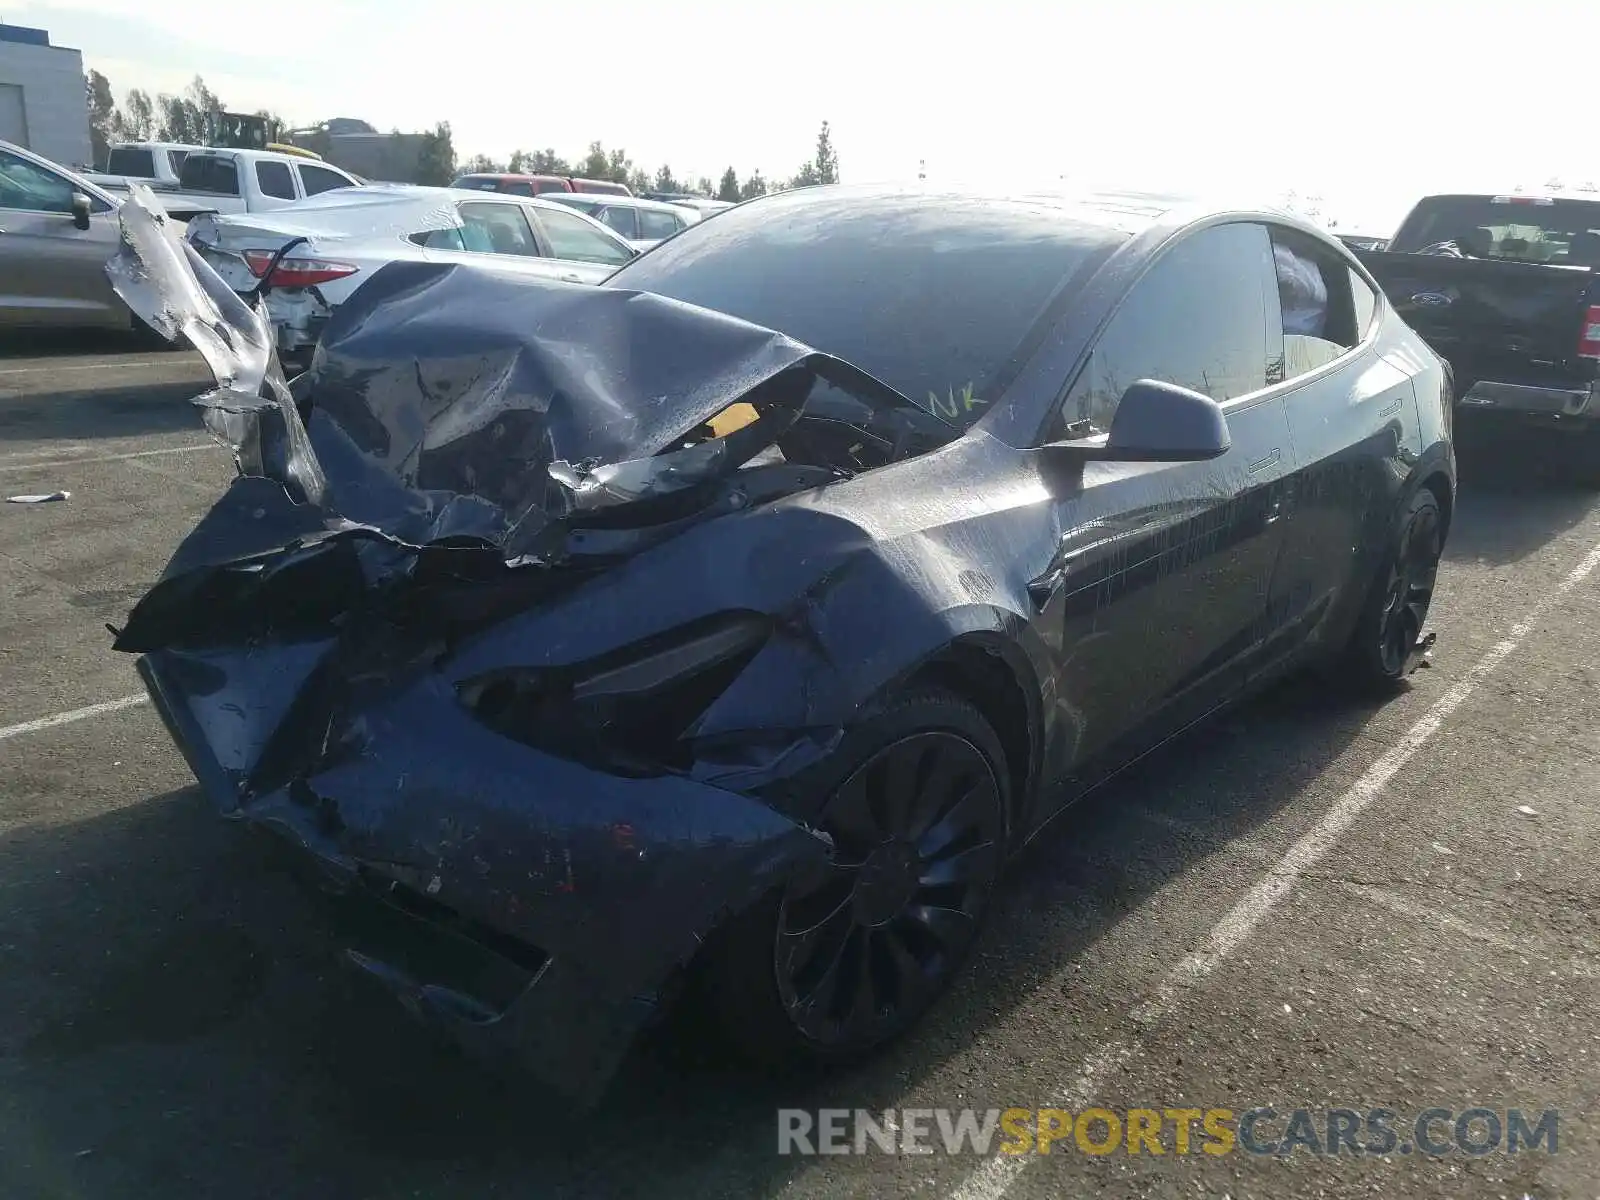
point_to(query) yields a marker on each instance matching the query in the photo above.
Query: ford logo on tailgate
(1432, 299)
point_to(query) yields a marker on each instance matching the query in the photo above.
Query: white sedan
(314, 254)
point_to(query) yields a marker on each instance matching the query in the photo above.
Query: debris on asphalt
(1527, 810)
(1442, 848)
(38, 498)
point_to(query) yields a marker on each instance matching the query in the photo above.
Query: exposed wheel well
(982, 677)
(1440, 487)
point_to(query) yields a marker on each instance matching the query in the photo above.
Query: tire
(1383, 649)
(899, 906)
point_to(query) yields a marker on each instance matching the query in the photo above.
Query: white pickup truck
(247, 181)
(157, 165)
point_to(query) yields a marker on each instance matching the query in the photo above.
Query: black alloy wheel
(850, 953)
(865, 941)
(1412, 575)
(1388, 643)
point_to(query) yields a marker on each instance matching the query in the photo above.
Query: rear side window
(131, 160)
(1197, 318)
(497, 229)
(209, 173)
(1314, 304)
(517, 187)
(1365, 302)
(1519, 228)
(574, 239)
(654, 224)
(175, 161)
(621, 219)
(475, 183)
(319, 179)
(274, 180)
(440, 239)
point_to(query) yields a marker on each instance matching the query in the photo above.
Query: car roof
(587, 199)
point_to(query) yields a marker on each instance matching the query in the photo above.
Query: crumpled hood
(450, 401)
(459, 422)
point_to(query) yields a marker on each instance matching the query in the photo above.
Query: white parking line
(58, 368)
(991, 1180)
(27, 460)
(67, 718)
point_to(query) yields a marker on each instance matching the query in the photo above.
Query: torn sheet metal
(453, 401)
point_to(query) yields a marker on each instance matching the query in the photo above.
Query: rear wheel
(848, 956)
(1387, 645)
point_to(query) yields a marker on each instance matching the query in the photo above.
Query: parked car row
(311, 257)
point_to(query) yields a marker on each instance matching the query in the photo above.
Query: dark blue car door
(1352, 414)
(1159, 592)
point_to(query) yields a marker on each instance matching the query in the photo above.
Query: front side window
(574, 239)
(32, 188)
(497, 229)
(319, 179)
(274, 180)
(656, 225)
(1314, 303)
(1197, 318)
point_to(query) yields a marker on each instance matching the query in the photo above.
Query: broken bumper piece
(526, 905)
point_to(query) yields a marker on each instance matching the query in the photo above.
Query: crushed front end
(471, 453)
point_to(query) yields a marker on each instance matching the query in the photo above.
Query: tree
(595, 164)
(436, 157)
(729, 188)
(548, 162)
(827, 160)
(805, 177)
(638, 181)
(753, 186)
(189, 117)
(135, 120)
(704, 187)
(102, 114)
(664, 182)
(482, 164)
(619, 167)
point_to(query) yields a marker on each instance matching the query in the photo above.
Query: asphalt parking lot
(1309, 903)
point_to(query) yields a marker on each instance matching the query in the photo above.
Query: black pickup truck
(1507, 290)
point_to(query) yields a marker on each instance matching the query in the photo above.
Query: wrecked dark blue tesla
(735, 620)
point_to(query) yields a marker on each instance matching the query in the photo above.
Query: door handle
(1390, 410)
(1271, 460)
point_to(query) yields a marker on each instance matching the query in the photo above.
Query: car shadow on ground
(172, 1013)
(51, 343)
(1517, 489)
(78, 414)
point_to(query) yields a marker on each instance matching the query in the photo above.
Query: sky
(1364, 105)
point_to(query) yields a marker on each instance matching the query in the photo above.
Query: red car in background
(534, 185)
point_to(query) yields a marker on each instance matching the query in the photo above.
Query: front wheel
(847, 957)
(1387, 644)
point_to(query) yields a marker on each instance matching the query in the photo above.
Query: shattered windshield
(934, 295)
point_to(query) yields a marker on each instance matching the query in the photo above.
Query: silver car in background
(56, 232)
(642, 223)
(311, 256)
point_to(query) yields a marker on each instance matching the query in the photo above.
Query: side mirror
(80, 210)
(1155, 422)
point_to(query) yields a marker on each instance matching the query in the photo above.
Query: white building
(43, 103)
